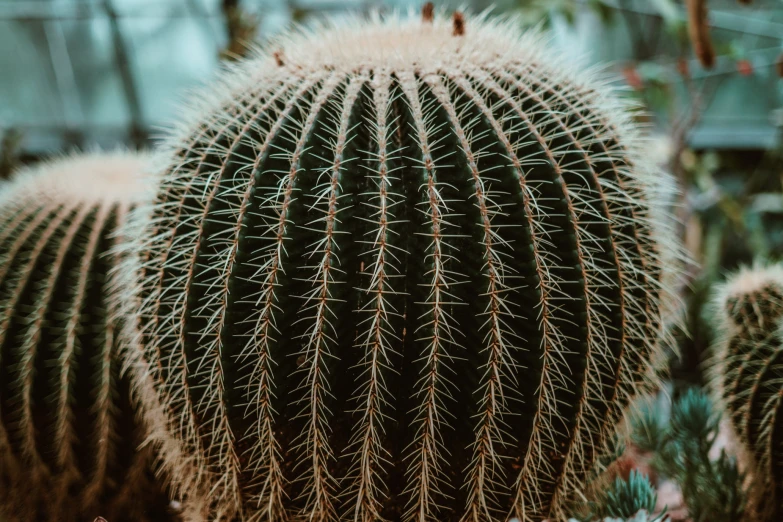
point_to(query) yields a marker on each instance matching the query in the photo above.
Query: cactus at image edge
(747, 368)
(401, 268)
(68, 431)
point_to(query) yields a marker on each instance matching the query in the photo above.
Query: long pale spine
(399, 292)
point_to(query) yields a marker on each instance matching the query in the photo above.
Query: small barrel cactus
(68, 431)
(404, 268)
(747, 371)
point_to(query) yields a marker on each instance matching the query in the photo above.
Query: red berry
(632, 78)
(682, 67)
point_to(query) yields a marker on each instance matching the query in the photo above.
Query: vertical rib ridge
(378, 320)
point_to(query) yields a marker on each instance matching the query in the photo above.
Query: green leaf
(626, 498)
(693, 419)
(648, 426)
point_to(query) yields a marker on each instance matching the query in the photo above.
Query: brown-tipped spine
(428, 13)
(459, 23)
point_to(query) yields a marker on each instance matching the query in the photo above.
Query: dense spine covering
(747, 371)
(68, 431)
(397, 269)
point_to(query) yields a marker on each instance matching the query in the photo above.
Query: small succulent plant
(748, 378)
(68, 430)
(632, 499)
(404, 268)
(686, 451)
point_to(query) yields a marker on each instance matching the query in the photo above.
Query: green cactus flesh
(393, 272)
(68, 433)
(748, 370)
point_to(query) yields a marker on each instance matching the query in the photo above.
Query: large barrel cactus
(748, 376)
(405, 268)
(68, 431)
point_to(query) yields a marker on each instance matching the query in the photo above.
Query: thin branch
(137, 133)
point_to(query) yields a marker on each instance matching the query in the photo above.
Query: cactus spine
(68, 433)
(400, 269)
(748, 377)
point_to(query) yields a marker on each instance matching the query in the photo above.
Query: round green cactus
(68, 431)
(400, 268)
(747, 371)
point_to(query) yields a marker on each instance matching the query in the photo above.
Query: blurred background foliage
(80, 73)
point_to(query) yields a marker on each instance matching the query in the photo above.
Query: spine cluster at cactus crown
(69, 434)
(402, 268)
